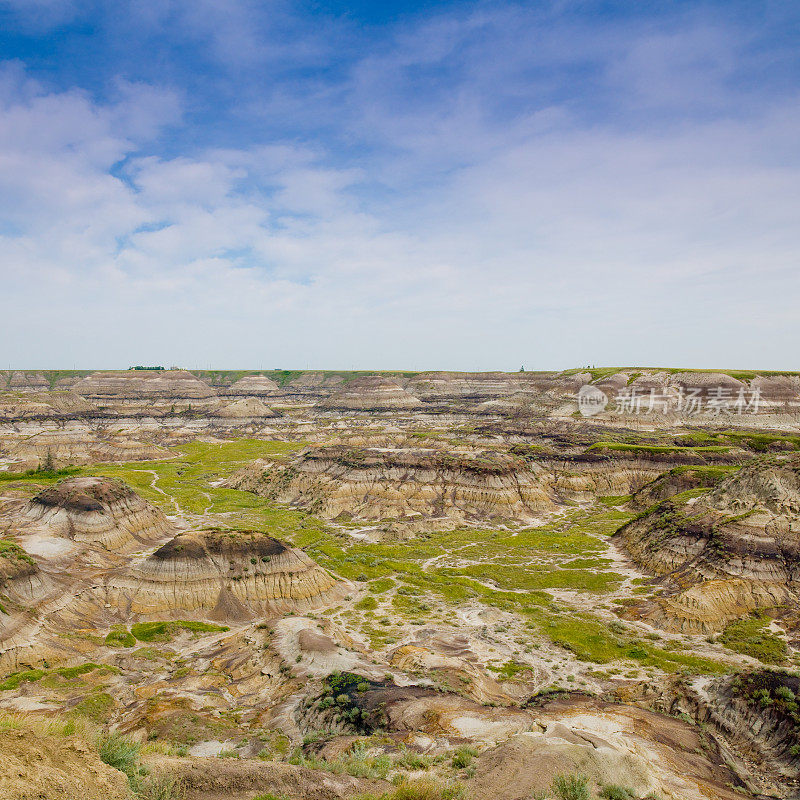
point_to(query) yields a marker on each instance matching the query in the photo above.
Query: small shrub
(120, 753)
(411, 760)
(159, 787)
(611, 791)
(571, 787)
(463, 757)
(427, 789)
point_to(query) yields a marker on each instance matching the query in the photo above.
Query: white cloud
(472, 237)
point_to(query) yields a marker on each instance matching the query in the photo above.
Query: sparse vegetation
(463, 757)
(751, 637)
(165, 631)
(571, 787)
(611, 791)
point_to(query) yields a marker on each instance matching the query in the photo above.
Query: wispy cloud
(478, 187)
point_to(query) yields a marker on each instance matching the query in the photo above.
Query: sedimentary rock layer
(224, 574)
(728, 552)
(253, 385)
(138, 384)
(245, 408)
(97, 511)
(371, 393)
(391, 483)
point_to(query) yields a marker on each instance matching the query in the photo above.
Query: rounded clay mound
(253, 385)
(101, 511)
(84, 494)
(220, 543)
(224, 574)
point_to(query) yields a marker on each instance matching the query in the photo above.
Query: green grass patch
(39, 475)
(13, 552)
(16, 679)
(653, 448)
(614, 500)
(165, 631)
(750, 637)
(96, 706)
(381, 585)
(119, 636)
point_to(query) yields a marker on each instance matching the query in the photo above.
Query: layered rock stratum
(223, 574)
(166, 384)
(370, 393)
(368, 573)
(97, 511)
(727, 552)
(380, 483)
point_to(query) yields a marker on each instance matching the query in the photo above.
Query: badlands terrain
(294, 585)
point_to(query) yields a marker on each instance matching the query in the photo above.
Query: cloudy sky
(419, 185)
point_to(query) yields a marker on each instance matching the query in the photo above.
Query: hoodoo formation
(352, 581)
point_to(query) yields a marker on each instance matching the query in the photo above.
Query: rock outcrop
(245, 408)
(142, 384)
(385, 483)
(32, 404)
(51, 767)
(62, 448)
(729, 551)
(253, 385)
(24, 381)
(371, 393)
(97, 511)
(223, 574)
(621, 746)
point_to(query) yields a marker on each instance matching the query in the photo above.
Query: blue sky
(421, 185)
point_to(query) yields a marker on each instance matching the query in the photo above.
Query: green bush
(611, 791)
(120, 753)
(463, 757)
(571, 787)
